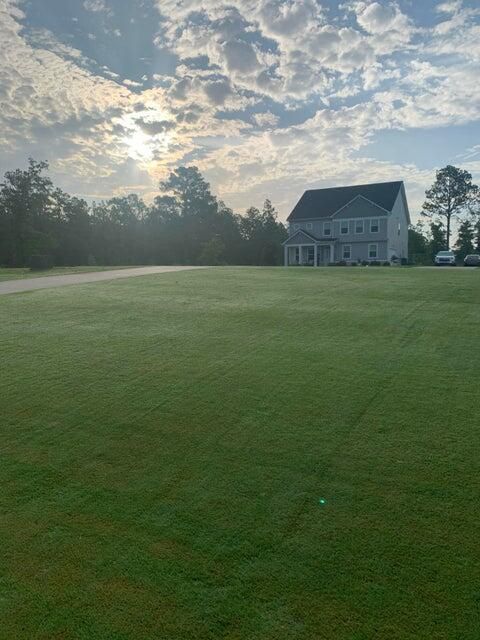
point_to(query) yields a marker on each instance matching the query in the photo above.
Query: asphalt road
(47, 282)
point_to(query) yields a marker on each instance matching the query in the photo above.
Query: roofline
(367, 184)
(405, 202)
(348, 186)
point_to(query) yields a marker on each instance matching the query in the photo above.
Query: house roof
(323, 203)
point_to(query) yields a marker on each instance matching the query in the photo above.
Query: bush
(40, 262)
(341, 263)
(353, 264)
(365, 263)
(332, 264)
(386, 263)
(375, 263)
(404, 261)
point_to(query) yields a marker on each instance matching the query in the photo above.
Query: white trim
(363, 198)
(377, 220)
(373, 244)
(362, 220)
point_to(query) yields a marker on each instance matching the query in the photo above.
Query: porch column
(300, 255)
(332, 253)
(285, 256)
(315, 262)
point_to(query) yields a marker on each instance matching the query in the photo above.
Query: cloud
(156, 128)
(245, 71)
(96, 6)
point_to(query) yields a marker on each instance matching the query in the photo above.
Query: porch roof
(304, 237)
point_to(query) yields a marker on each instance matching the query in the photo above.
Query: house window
(327, 228)
(358, 226)
(309, 225)
(347, 252)
(373, 251)
(344, 228)
(310, 254)
(374, 226)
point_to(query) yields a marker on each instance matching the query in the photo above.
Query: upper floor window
(327, 228)
(344, 227)
(374, 226)
(309, 225)
(359, 226)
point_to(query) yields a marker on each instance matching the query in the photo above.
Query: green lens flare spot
(322, 501)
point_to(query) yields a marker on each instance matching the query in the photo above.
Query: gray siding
(360, 208)
(316, 228)
(398, 229)
(359, 250)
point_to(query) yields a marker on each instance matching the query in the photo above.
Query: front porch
(314, 255)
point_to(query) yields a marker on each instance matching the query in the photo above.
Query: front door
(323, 253)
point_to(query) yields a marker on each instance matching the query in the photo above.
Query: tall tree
(418, 245)
(438, 238)
(465, 240)
(476, 235)
(452, 194)
(26, 207)
(263, 235)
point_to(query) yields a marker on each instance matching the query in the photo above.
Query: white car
(445, 258)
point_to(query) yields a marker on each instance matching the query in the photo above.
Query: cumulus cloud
(245, 70)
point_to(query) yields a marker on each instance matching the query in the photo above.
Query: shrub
(404, 261)
(332, 264)
(365, 263)
(341, 263)
(375, 263)
(353, 264)
(386, 263)
(40, 262)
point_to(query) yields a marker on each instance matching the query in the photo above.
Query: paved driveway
(47, 282)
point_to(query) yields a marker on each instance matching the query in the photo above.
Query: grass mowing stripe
(165, 443)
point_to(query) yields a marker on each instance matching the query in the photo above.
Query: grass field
(258, 454)
(16, 274)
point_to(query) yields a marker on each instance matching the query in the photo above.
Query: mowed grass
(23, 272)
(259, 454)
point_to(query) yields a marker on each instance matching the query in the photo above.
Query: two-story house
(359, 223)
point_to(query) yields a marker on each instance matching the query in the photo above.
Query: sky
(267, 97)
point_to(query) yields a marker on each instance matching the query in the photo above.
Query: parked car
(445, 258)
(473, 260)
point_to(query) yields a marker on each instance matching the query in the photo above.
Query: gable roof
(301, 232)
(323, 203)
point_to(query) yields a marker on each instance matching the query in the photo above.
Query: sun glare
(139, 145)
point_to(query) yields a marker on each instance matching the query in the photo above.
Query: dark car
(473, 260)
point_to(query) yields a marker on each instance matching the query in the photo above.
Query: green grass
(16, 274)
(166, 442)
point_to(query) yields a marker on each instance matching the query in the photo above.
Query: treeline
(425, 241)
(185, 224)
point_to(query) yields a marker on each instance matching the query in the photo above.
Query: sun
(139, 145)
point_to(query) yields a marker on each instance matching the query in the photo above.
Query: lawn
(255, 454)
(16, 274)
